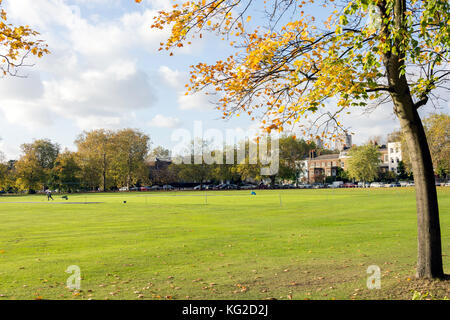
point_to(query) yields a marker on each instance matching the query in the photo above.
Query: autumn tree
(66, 172)
(364, 162)
(44, 150)
(293, 67)
(437, 128)
(3, 169)
(292, 150)
(34, 167)
(249, 168)
(16, 44)
(131, 148)
(194, 168)
(29, 174)
(159, 152)
(8, 180)
(95, 154)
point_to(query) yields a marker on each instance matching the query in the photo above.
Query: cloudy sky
(105, 71)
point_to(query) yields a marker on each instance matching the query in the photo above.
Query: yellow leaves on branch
(198, 15)
(17, 42)
(272, 70)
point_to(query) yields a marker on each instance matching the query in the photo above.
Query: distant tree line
(291, 150)
(107, 160)
(104, 160)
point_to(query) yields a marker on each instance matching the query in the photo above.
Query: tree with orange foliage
(294, 67)
(16, 44)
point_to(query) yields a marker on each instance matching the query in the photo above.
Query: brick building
(318, 167)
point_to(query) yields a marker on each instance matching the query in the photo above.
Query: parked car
(247, 187)
(134, 189)
(337, 184)
(363, 185)
(167, 187)
(447, 184)
(411, 184)
(348, 185)
(376, 185)
(403, 183)
(123, 189)
(155, 187)
(307, 186)
(145, 188)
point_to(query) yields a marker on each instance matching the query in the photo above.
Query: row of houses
(316, 167)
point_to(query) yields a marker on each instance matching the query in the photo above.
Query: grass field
(282, 244)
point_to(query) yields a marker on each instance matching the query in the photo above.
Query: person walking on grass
(49, 195)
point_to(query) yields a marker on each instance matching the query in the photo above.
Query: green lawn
(304, 244)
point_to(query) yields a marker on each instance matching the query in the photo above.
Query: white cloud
(30, 114)
(366, 124)
(10, 152)
(101, 91)
(161, 121)
(177, 80)
(90, 122)
(173, 78)
(90, 75)
(194, 101)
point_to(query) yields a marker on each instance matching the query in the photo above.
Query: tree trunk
(429, 253)
(104, 172)
(429, 259)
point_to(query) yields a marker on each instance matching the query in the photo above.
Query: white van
(337, 184)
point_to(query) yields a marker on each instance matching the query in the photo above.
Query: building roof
(327, 157)
(153, 162)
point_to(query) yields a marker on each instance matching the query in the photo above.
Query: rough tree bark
(429, 260)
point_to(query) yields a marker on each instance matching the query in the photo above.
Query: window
(392, 160)
(397, 160)
(396, 150)
(386, 158)
(342, 164)
(323, 164)
(392, 150)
